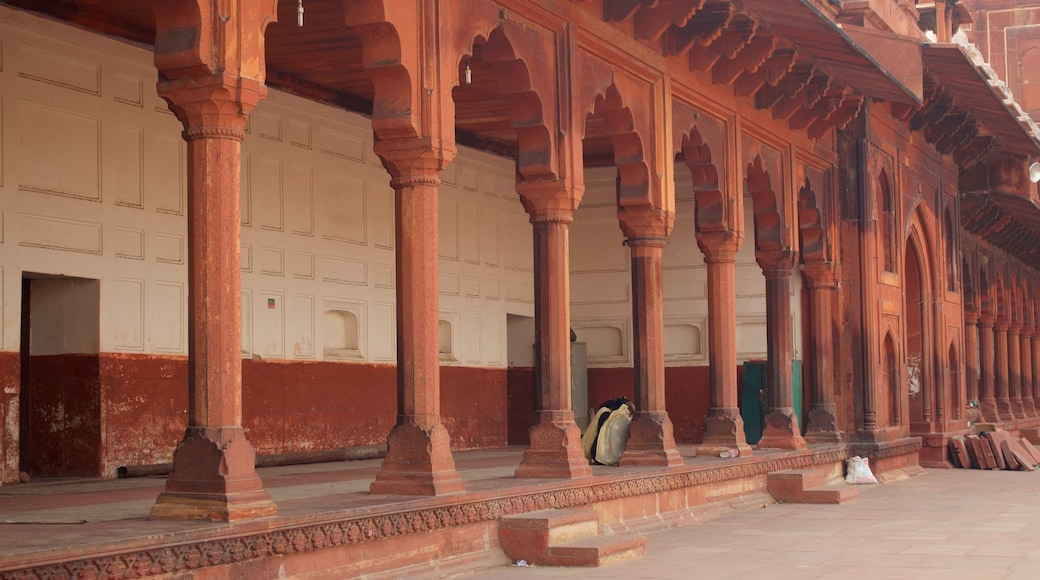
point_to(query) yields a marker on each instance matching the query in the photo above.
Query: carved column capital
(777, 263)
(551, 201)
(646, 223)
(721, 246)
(971, 317)
(414, 161)
(822, 275)
(212, 106)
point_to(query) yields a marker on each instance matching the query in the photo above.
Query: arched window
(951, 263)
(887, 222)
(890, 378)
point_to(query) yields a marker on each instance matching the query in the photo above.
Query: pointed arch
(500, 60)
(890, 378)
(918, 337)
(951, 251)
(769, 234)
(887, 221)
(712, 206)
(633, 169)
(811, 232)
(395, 110)
(953, 381)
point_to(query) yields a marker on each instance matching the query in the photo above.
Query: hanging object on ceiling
(468, 72)
(299, 13)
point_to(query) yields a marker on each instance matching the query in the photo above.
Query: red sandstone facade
(884, 177)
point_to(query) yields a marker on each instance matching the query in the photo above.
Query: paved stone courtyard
(947, 524)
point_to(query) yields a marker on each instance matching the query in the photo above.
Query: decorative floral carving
(354, 529)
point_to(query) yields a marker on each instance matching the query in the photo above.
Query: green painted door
(755, 398)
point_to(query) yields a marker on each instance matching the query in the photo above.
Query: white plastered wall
(93, 185)
(601, 287)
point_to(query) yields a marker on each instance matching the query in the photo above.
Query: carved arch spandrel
(813, 241)
(395, 69)
(522, 61)
(633, 110)
(773, 235)
(187, 33)
(700, 144)
(922, 220)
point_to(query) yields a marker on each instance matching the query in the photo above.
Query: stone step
(807, 486)
(597, 551)
(565, 537)
(832, 494)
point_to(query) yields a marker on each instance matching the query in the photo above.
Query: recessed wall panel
(341, 208)
(59, 152)
(124, 175)
(127, 315)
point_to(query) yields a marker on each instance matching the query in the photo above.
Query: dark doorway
(60, 401)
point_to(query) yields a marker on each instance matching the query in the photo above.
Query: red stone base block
(1004, 410)
(934, 452)
(213, 478)
(781, 431)
(555, 450)
(650, 441)
(418, 462)
(723, 431)
(822, 427)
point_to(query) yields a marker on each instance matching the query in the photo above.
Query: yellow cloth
(591, 431)
(613, 436)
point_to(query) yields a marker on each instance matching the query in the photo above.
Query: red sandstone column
(723, 427)
(987, 383)
(822, 423)
(418, 461)
(1001, 369)
(971, 363)
(1015, 369)
(781, 430)
(1028, 404)
(213, 466)
(555, 449)
(1036, 372)
(651, 441)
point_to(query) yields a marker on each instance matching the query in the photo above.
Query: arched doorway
(916, 296)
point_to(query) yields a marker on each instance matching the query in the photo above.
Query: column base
(1030, 408)
(651, 441)
(988, 411)
(822, 427)
(1004, 410)
(1019, 409)
(781, 431)
(214, 478)
(418, 462)
(555, 450)
(724, 431)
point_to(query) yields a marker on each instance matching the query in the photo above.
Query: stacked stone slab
(993, 450)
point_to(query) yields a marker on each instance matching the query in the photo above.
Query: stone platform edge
(230, 544)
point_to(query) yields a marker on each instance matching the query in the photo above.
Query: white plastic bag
(859, 471)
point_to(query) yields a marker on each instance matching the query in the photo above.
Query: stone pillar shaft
(822, 423)
(651, 440)
(418, 459)
(724, 426)
(1001, 369)
(781, 429)
(555, 447)
(987, 371)
(1015, 369)
(1026, 347)
(213, 466)
(971, 363)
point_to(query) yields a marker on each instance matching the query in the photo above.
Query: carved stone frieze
(288, 538)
